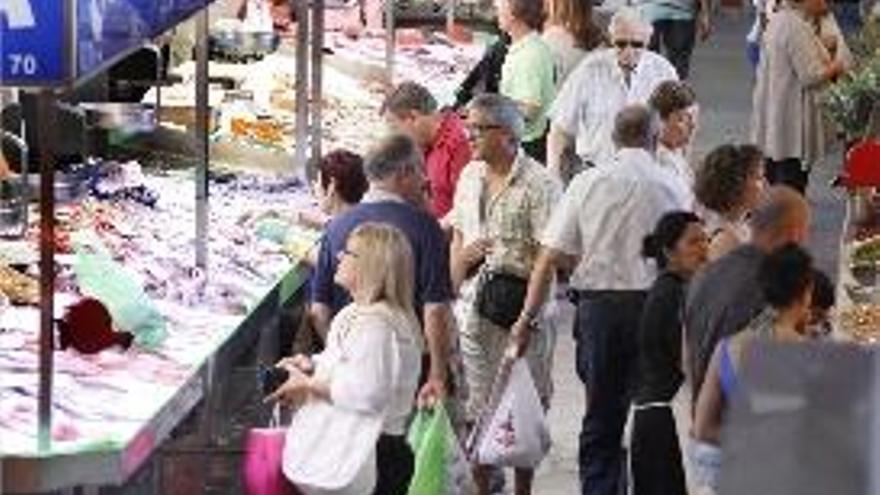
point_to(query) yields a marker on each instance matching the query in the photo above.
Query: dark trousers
(675, 39)
(656, 456)
(395, 463)
(606, 326)
(787, 172)
(537, 148)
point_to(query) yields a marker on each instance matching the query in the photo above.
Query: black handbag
(501, 297)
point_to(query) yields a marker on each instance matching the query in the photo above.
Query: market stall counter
(127, 242)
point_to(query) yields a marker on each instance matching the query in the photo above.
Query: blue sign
(33, 34)
(107, 28)
(32, 42)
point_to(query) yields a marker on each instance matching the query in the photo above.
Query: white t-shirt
(604, 217)
(596, 91)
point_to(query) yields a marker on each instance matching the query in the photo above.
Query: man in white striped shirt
(582, 116)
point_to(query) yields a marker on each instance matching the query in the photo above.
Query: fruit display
(866, 252)
(17, 287)
(861, 322)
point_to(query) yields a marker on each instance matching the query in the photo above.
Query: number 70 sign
(32, 42)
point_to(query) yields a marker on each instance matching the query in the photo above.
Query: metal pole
(302, 81)
(201, 127)
(389, 42)
(450, 16)
(317, 74)
(45, 133)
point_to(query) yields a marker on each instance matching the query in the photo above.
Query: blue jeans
(606, 329)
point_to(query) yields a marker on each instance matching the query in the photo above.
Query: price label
(32, 42)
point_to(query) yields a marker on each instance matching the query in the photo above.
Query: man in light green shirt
(528, 75)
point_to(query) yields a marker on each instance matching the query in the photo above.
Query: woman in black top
(680, 247)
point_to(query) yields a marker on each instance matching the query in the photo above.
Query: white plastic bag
(515, 433)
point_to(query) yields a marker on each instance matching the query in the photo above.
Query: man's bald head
(783, 216)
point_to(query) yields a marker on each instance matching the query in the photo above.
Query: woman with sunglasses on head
(679, 246)
(374, 349)
(729, 184)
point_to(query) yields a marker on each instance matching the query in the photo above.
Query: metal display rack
(50, 48)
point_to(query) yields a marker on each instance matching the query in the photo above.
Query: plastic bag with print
(514, 432)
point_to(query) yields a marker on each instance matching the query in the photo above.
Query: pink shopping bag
(262, 463)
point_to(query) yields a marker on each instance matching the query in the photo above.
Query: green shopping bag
(440, 465)
(101, 277)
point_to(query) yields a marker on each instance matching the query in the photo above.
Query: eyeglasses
(634, 44)
(480, 129)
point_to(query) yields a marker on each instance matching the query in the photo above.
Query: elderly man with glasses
(502, 203)
(606, 81)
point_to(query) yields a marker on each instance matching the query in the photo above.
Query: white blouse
(373, 362)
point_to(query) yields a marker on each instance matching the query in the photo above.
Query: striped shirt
(595, 91)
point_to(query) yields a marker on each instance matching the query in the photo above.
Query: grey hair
(394, 154)
(630, 17)
(636, 126)
(502, 111)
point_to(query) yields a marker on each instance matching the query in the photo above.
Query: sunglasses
(635, 44)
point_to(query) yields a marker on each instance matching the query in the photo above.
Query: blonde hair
(386, 268)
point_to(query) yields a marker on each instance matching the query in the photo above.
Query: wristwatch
(531, 317)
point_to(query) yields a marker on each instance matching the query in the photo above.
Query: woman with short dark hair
(679, 247)
(339, 184)
(676, 104)
(729, 185)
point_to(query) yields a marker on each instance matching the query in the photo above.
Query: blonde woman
(374, 346)
(570, 33)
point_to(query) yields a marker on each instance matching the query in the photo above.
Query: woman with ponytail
(680, 247)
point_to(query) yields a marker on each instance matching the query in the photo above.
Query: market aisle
(722, 80)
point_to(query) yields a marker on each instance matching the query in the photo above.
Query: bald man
(726, 295)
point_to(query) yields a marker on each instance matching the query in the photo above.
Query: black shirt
(659, 340)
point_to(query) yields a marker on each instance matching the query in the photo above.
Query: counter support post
(201, 127)
(45, 132)
(317, 76)
(302, 82)
(389, 44)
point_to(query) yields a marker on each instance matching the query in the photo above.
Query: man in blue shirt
(395, 169)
